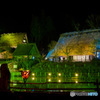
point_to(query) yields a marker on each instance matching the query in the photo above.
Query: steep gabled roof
(83, 31)
(76, 44)
(26, 49)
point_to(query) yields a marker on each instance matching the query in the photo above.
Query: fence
(48, 89)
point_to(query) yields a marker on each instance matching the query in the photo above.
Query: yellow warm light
(49, 74)
(76, 81)
(33, 78)
(59, 74)
(76, 74)
(59, 80)
(33, 74)
(14, 84)
(49, 80)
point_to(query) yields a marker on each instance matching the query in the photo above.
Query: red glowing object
(25, 74)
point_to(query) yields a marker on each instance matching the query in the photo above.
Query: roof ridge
(87, 30)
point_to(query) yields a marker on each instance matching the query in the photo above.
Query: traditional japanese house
(76, 46)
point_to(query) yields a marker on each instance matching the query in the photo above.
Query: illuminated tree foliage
(11, 39)
(66, 46)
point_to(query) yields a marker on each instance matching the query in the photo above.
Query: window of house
(97, 54)
(65, 58)
(61, 58)
(87, 57)
(79, 58)
(51, 59)
(83, 58)
(75, 58)
(14, 66)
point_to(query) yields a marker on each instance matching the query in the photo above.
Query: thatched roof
(26, 49)
(82, 43)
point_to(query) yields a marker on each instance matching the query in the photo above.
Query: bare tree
(52, 45)
(93, 21)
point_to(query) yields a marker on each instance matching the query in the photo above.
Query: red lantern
(25, 74)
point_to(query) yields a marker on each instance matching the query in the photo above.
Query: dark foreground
(39, 95)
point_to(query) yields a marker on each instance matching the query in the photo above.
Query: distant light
(49, 74)
(24, 41)
(33, 57)
(76, 81)
(14, 66)
(14, 84)
(33, 90)
(59, 74)
(61, 90)
(33, 78)
(33, 74)
(49, 80)
(59, 80)
(76, 74)
(46, 58)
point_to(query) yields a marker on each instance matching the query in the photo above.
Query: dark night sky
(19, 20)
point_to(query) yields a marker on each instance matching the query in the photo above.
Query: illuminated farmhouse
(76, 46)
